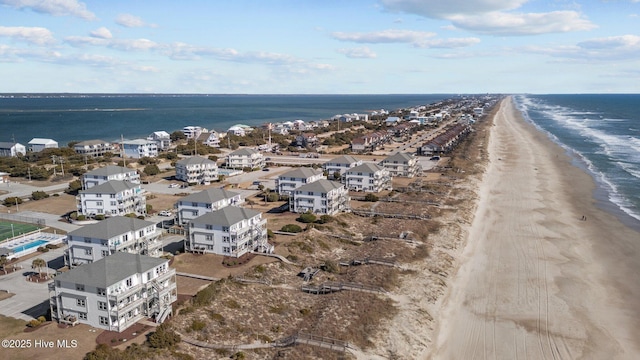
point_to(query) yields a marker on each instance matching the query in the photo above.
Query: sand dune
(536, 281)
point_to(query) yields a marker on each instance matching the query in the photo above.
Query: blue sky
(318, 47)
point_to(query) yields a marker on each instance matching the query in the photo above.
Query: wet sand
(536, 281)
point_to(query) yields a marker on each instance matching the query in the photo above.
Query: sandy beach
(536, 281)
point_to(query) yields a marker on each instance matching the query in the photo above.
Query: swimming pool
(30, 245)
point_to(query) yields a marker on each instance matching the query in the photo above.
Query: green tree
(39, 195)
(164, 337)
(177, 135)
(307, 218)
(151, 169)
(74, 187)
(3, 262)
(291, 228)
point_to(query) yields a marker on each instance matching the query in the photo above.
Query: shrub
(270, 234)
(163, 337)
(292, 228)
(370, 197)
(81, 217)
(325, 219)
(43, 249)
(152, 169)
(33, 323)
(307, 218)
(13, 200)
(42, 319)
(39, 195)
(197, 325)
(99, 217)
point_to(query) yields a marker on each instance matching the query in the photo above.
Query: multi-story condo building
(320, 197)
(139, 148)
(161, 138)
(245, 158)
(291, 180)
(109, 172)
(340, 165)
(115, 292)
(39, 144)
(197, 204)
(196, 170)
(231, 231)
(93, 242)
(93, 148)
(402, 165)
(112, 198)
(368, 178)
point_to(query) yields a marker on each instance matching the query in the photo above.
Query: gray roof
(303, 172)
(109, 170)
(344, 159)
(399, 157)
(210, 196)
(111, 227)
(244, 152)
(320, 186)
(110, 187)
(110, 269)
(7, 145)
(194, 160)
(226, 216)
(365, 168)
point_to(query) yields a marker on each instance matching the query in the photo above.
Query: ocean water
(602, 132)
(69, 117)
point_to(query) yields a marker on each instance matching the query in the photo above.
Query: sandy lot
(536, 281)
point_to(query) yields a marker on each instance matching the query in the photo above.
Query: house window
(129, 282)
(87, 240)
(104, 320)
(225, 229)
(225, 239)
(209, 247)
(80, 287)
(102, 291)
(81, 302)
(102, 305)
(210, 227)
(209, 237)
(226, 250)
(104, 242)
(87, 251)
(113, 203)
(194, 213)
(82, 316)
(113, 196)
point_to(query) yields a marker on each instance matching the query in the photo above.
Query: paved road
(25, 189)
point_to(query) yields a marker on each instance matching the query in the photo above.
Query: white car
(165, 213)
(173, 185)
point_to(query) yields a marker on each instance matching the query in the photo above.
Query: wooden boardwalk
(331, 287)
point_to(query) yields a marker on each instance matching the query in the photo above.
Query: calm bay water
(603, 133)
(65, 118)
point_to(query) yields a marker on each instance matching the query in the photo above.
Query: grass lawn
(7, 231)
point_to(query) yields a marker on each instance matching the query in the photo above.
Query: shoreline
(534, 279)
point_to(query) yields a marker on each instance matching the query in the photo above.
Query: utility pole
(53, 158)
(62, 165)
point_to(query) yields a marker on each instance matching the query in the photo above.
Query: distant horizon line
(2, 94)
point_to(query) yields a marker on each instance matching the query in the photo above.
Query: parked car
(173, 185)
(165, 213)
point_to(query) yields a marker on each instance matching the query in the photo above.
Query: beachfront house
(368, 177)
(339, 165)
(115, 292)
(39, 144)
(110, 172)
(245, 158)
(112, 198)
(291, 180)
(192, 132)
(93, 242)
(402, 165)
(230, 231)
(11, 149)
(320, 197)
(93, 148)
(196, 170)
(197, 204)
(139, 148)
(211, 138)
(161, 138)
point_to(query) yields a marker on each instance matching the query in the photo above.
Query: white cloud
(102, 33)
(420, 39)
(500, 23)
(131, 21)
(119, 44)
(358, 53)
(440, 9)
(53, 7)
(384, 36)
(493, 17)
(614, 48)
(33, 35)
